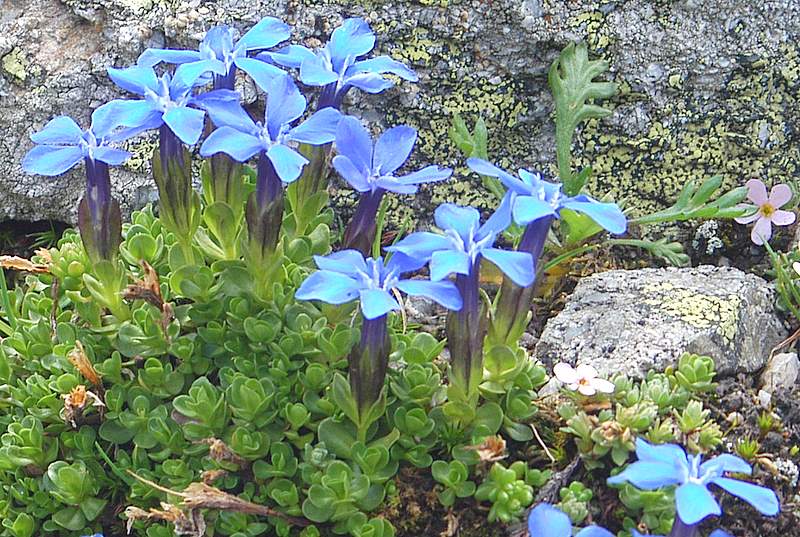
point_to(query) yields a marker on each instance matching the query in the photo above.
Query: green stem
(10, 313)
(569, 255)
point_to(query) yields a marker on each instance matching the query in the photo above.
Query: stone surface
(634, 321)
(781, 371)
(707, 86)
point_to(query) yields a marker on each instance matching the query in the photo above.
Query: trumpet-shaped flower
(227, 53)
(462, 244)
(337, 67)
(582, 379)
(370, 169)
(241, 138)
(167, 100)
(532, 198)
(546, 520)
(715, 533)
(768, 210)
(668, 464)
(346, 276)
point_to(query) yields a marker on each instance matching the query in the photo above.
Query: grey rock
(781, 371)
(710, 87)
(640, 320)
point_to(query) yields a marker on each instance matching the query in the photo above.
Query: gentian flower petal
(319, 129)
(376, 303)
(516, 265)
(500, 218)
(348, 262)
(648, 475)
(594, 531)
(756, 191)
(354, 177)
(316, 72)
(526, 209)
(780, 195)
(288, 56)
(380, 65)
(671, 454)
(130, 113)
(186, 123)
(369, 82)
(135, 79)
(51, 160)
(486, 168)
(446, 262)
(224, 113)
(463, 220)
(421, 245)
(400, 263)
(111, 156)
(428, 174)
(330, 287)
(720, 533)
(606, 215)
(288, 162)
(725, 463)
(391, 184)
(219, 41)
(261, 72)
(548, 521)
(694, 502)
(238, 145)
(60, 130)
(266, 34)
(285, 103)
(187, 75)
(444, 293)
(353, 141)
(353, 38)
(154, 56)
(762, 498)
(393, 148)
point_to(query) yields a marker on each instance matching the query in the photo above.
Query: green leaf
(338, 437)
(571, 80)
(693, 203)
(70, 518)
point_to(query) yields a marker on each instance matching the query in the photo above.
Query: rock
(706, 87)
(781, 371)
(633, 321)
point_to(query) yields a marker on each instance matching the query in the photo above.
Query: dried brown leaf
(492, 449)
(80, 360)
(20, 263)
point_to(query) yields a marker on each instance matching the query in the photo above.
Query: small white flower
(796, 267)
(583, 379)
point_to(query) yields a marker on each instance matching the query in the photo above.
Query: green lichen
(720, 314)
(141, 153)
(14, 63)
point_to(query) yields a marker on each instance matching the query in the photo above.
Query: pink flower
(583, 379)
(768, 212)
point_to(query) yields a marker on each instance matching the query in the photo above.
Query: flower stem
(681, 529)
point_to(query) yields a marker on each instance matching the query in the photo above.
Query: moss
(14, 63)
(696, 309)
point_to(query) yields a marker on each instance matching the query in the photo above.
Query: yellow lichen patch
(720, 314)
(14, 64)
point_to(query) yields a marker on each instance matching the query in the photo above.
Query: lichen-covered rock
(706, 86)
(635, 321)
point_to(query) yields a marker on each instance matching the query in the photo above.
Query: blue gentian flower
(346, 276)
(336, 66)
(458, 250)
(715, 533)
(463, 243)
(370, 169)
(668, 464)
(220, 47)
(241, 138)
(532, 198)
(546, 520)
(61, 144)
(168, 100)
